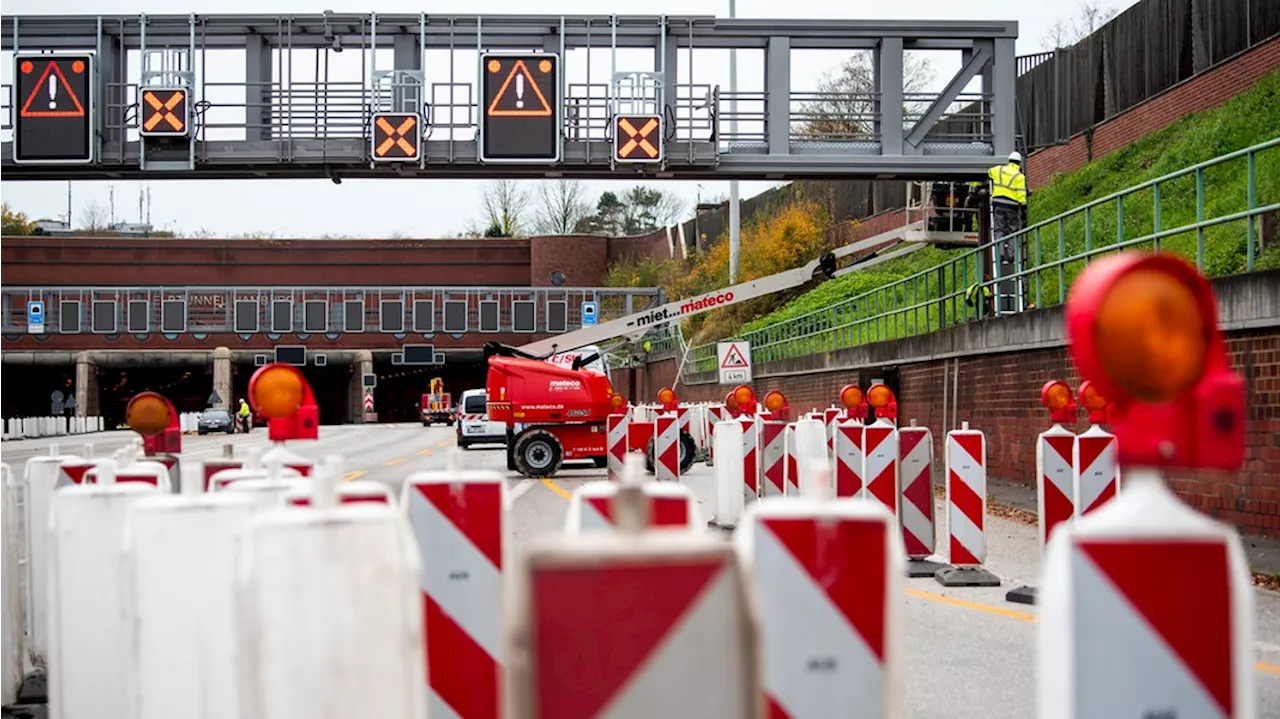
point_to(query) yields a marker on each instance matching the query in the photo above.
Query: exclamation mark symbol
(519, 89)
(53, 92)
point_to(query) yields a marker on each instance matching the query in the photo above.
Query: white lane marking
(514, 493)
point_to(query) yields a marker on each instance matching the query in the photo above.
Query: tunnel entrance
(28, 388)
(398, 395)
(330, 383)
(187, 387)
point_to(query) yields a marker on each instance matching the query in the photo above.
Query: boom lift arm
(635, 325)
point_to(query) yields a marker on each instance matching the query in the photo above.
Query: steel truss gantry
(284, 127)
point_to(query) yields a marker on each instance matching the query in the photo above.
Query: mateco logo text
(694, 305)
(564, 385)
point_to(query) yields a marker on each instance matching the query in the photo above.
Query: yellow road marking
(557, 489)
(920, 594)
(443, 443)
(424, 452)
(393, 462)
(354, 474)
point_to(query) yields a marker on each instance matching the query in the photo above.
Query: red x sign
(638, 138)
(395, 136)
(164, 112)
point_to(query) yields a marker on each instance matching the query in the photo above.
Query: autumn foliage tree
(16, 223)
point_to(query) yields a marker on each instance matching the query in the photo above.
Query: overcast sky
(307, 208)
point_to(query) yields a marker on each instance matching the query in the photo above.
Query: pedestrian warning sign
(519, 94)
(735, 362)
(52, 95)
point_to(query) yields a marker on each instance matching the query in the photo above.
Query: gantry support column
(257, 92)
(363, 365)
(86, 385)
(222, 376)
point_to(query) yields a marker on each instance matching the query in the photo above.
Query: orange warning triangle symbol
(733, 358)
(59, 99)
(517, 95)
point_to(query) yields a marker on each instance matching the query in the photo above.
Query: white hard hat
(1015, 156)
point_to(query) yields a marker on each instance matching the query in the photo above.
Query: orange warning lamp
(667, 398)
(280, 393)
(617, 401)
(1055, 395)
(731, 404)
(776, 403)
(153, 416)
(1092, 400)
(881, 398)
(855, 403)
(1143, 330)
(746, 399)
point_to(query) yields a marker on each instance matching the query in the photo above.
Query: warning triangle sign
(733, 359)
(52, 96)
(520, 95)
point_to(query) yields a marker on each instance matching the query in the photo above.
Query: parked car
(473, 424)
(215, 420)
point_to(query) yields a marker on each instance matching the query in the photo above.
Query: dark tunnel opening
(398, 396)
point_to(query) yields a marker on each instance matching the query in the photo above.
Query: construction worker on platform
(243, 415)
(1008, 197)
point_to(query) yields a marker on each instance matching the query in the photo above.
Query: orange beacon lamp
(280, 393)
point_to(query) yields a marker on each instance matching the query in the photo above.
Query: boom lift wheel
(688, 453)
(538, 454)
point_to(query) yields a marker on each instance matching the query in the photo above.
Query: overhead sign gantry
(519, 116)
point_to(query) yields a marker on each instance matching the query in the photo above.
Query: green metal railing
(1060, 248)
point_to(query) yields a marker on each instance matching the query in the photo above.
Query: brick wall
(999, 393)
(1201, 92)
(580, 257)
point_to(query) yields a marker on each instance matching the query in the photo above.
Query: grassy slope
(1248, 119)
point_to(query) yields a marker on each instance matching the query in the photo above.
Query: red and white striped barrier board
(150, 472)
(89, 673)
(715, 413)
(827, 578)
(666, 447)
(316, 636)
(811, 446)
(792, 471)
(916, 511)
(670, 505)
(73, 472)
(1097, 471)
(966, 464)
(684, 414)
(831, 420)
(1055, 479)
(773, 458)
(750, 456)
(40, 476)
(849, 459)
(292, 460)
(223, 480)
(729, 494)
(1146, 610)
(458, 521)
(880, 463)
(347, 493)
(631, 627)
(617, 444)
(181, 567)
(210, 467)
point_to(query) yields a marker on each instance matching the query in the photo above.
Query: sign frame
(617, 140)
(90, 108)
(185, 117)
(35, 320)
(733, 375)
(373, 121)
(557, 110)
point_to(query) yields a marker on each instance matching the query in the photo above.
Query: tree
(846, 104)
(561, 206)
(638, 211)
(15, 223)
(504, 203)
(93, 218)
(1065, 32)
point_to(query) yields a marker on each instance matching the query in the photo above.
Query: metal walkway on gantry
(316, 101)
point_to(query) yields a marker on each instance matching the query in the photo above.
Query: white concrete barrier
(11, 589)
(40, 477)
(88, 617)
(181, 561)
(670, 505)
(729, 466)
(317, 637)
(35, 427)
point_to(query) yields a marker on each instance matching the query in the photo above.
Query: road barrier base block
(919, 568)
(1021, 595)
(966, 577)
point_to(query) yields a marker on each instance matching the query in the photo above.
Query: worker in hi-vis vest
(1008, 201)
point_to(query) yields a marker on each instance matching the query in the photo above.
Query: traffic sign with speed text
(520, 121)
(53, 124)
(165, 112)
(735, 362)
(397, 137)
(637, 138)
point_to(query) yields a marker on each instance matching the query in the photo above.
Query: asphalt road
(968, 654)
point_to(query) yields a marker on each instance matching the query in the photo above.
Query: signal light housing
(1143, 329)
(1091, 399)
(280, 393)
(617, 401)
(776, 403)
(854, 401)
(153, 416)
(746, 399)
(882, 399)
(668, 399)
(1056, 397)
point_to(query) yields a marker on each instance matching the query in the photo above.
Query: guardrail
(1060, 246)
(31, 427)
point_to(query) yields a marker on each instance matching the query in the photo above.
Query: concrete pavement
(968, 654)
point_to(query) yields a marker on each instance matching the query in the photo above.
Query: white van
(474, 426)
